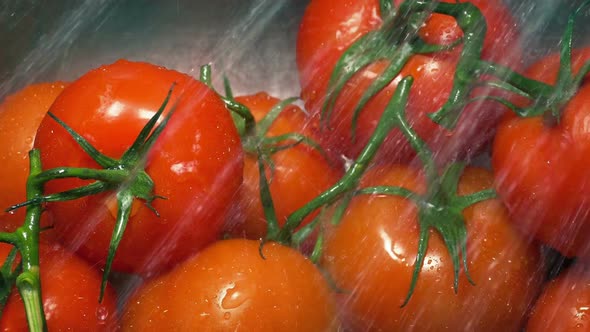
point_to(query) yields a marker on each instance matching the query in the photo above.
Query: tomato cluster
(150, 201)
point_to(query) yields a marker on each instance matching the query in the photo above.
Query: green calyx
(256, 142)
(397, 41)
(548, 100)
(125, 177)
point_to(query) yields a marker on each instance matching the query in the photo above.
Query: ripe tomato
(196, 164)
(70, 290)
(540, 169)
(300, 173)
(370, 256)
(329, 27)
(20, 116)
(564, 303)
(502, 33)
(229, 287)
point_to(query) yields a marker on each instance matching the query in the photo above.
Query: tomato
(70, 291)
(564, 303)
(329, 27)
(371, 253)
(196, 164)
(300, 173)
(229, 287)
(502, 32)
(540, 170)
(20, 116)
(546, 69)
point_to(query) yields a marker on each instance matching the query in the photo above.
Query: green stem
(535, 89)
(106, 175)
(29, 286)
(474, 27)
(27, 236)
(349, 181)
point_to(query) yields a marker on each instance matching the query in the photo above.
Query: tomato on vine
(192, 169)
(359, 39)
(297, 172)
(236, 284)
(70, 294)
(540, 161)
(20, 116)
(371, 253)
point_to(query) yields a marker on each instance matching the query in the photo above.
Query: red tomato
(300, 173)
(502, 33)
(564, 303)
(70, 291)
(546, 69)
(370, 256)
(541, 170)
(329, 27)
(229, 287)
(196, 164)
(20, 116)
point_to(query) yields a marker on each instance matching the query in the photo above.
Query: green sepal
(101, 159)
(8, 276)
(268, 207)
(124, 204)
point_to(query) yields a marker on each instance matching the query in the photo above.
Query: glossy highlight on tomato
(196, 164)
(371, 253)
(229, 286)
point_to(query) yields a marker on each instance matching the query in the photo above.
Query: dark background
(252, 41)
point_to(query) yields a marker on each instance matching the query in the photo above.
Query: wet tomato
(564, 303)
(371, 253)
(196, 164)
(541, 168)
(299, 173)
(329, 27)
(229, 287)
(20, 116)
(70, 291)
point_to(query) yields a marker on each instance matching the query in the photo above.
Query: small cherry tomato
(229, 286)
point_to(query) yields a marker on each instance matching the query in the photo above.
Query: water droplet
(226, 315)
(232, 298)
(102, 313)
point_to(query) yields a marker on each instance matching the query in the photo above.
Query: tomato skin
(196, 162)
(70, 291)
(300, 173)
(547, 68)
(502, 32)
(370, 255)
(540, 169)
(328, 28)
(229, 286)
(563, 305)
(20, 116)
